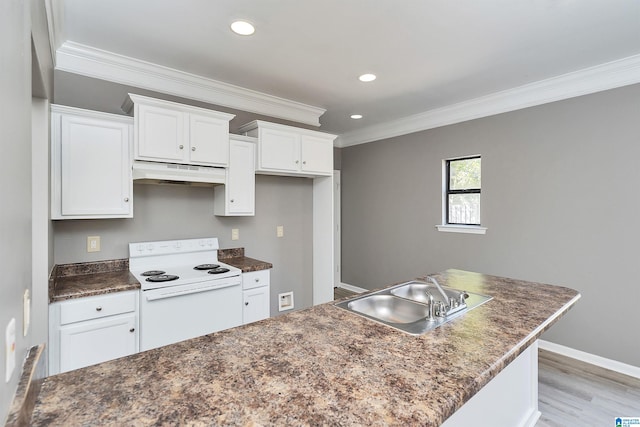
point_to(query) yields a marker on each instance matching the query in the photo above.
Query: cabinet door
(241, 178)
(95, 167)
(279, 151)
(95, 341)
(316, 155)
(255, 305)
(208, 140)
(161, 134)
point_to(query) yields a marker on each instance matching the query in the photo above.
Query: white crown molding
(606, 76)
(88, 61)
(53, 9)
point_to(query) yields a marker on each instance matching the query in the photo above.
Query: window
(462, 196)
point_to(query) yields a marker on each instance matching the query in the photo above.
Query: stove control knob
(140, 248)
(149, 247)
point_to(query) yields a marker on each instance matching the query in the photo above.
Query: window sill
(469, 229)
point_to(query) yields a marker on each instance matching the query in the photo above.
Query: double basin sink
(414, 307)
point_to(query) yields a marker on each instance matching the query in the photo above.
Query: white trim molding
(601, 77)
(91, 62)
(612, 365)
(469, 229)
(353, 288)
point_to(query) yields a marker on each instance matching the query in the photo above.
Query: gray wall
(559, 198)
(165, 212)
(15, 181)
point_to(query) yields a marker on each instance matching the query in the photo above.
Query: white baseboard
(603, 362)
(352, 288)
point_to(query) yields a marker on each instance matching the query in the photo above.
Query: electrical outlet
(26, 312)
(10, 349)
(235, 234)
(93, 243)
(280, 231)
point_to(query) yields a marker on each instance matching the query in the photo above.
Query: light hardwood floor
(574, 393)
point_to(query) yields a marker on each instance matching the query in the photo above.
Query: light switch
(93, 243)
(280, 231)
(235, 234)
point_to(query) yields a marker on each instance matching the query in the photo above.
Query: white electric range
(185, 291)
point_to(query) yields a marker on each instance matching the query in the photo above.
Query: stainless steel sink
(413, 307)
(389, 308)
(418, 291)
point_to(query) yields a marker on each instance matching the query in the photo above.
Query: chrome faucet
(431, 305)
(445, 297)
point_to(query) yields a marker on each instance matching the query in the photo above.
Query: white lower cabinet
(255, 296)
(91, 330)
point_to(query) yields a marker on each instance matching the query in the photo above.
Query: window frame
(448, 191)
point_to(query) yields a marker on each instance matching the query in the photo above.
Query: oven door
(177, 313)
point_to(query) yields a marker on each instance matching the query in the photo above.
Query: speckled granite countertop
(68, 281)
(319, 366)
(85, 279)
(236, 258)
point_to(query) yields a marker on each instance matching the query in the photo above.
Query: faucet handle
(463, 296)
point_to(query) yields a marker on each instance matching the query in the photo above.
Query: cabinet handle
(98, 308)
(246, 303)
(181, 146)
(126, 199)
(132, 330)
(193, 148)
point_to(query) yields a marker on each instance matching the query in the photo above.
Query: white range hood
(170, 173)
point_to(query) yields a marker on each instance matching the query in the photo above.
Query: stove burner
(218, 270)
(153, 273)
(205, 266)
(162, 278)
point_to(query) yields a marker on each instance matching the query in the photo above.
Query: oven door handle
(168, 293)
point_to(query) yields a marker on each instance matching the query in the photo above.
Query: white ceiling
(427, 54)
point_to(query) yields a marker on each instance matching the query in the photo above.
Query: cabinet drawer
(255, 279)
(96, 307)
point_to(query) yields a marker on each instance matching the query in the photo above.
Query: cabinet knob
(231, 200)
(193, 148)
(126, 199)
(98, 308)
(297, 161)
(304, 163)
(246, 303)
(181, 146)
(257, 280)
(132, 330)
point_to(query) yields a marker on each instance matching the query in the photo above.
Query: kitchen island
(319, 366)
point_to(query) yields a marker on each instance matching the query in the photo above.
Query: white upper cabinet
(176, 133)
(90, 164)
(237, 196)
(287, 150)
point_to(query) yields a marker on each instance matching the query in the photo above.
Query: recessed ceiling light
(243, 28)
(367, 77)
(356, 116)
